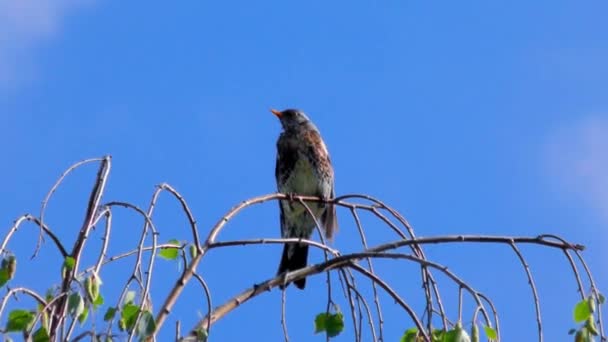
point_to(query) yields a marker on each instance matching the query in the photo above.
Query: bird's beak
(277, 113)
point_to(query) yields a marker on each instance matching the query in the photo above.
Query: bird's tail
(298, 259)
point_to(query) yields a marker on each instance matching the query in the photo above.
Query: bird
(303, 167)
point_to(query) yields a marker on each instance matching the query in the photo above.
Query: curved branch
(371, 268)
(395, 296)
(41, 225)
(181, 282)
(539, 240)
(182, 201)
(337, 262)
(149, 271)
(54, 188)
(533, 287)
(27, 291)
(207, 294)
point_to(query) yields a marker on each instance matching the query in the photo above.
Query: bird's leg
(324, 199)
(291, 197)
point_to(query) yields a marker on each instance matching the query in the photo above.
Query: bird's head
(292, 118)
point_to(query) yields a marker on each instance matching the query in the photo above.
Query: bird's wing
(320, 157)
(316, 147)
(285, 164)
(287, 156)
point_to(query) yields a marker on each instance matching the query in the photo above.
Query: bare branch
(94, 200)
(43, 228)
(54, 188)
(182, 201)
(533, 287)
(348, 266)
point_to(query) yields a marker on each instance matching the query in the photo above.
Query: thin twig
(533, 287)
(186, 208)
(52, 191)
(43, 228)
(207, 295)
(93, 204)
(460, 304)
(150, 269)
(395, 296)
(371, 268)
(594, 289)
(370, 319)
(283, 320)
(107, 213)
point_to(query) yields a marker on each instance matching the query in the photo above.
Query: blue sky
(470, 118)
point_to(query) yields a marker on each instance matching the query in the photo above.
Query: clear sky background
(468, 117)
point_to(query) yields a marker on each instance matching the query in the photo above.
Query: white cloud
(578, 160)
(24, 24)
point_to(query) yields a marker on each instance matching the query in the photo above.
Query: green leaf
(129, 297)
(41, 335)
(10, 265)
(50, 294)
(409, 335)
(88, 285)
(193, 251)
(582, 311)
(96, 280)
(146, 325)
(474, 333)
(75, 304)
(201, 335)
(460, 335)
(332, 324)
(19, 320)
(590, 325)
(128, 316)
(321, 322)
(69, 263)
(121, 325)
(110, 313)
(438, 335)
(92, 284)
(601, 298)
(44, 319)
(583, 336)
(490, 332)
(98, 301)
(4, 278)
(451, 336)
(592, 305)
(170, 253)
(68, 266)
(83, 316)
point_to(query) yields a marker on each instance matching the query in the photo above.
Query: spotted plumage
(303, 168)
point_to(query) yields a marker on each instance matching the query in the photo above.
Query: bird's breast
(303, 179)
